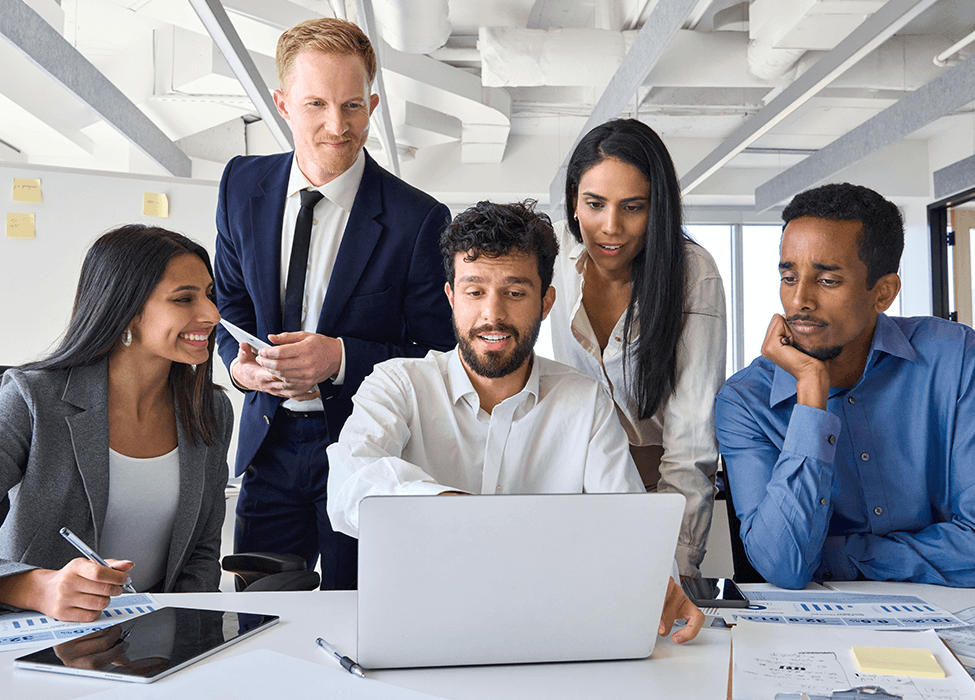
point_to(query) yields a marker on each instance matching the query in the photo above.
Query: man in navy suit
(372, 289)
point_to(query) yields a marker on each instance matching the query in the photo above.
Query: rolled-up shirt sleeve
(783, 497)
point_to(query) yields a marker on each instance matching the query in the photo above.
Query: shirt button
(852, 400)
(823, 501)
(314, 222)
(865, 457)
(498, 490)
(617, 339)
(832, 439)
(878, 511)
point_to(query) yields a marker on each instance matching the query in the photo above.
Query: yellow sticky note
(155, 204)
(20, 225)
(27, 189)
(898, 662)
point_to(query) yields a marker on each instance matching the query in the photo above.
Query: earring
(127, 337)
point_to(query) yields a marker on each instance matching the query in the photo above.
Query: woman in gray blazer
(120, 435)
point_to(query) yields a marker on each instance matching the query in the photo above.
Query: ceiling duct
(781, 31)
(413, 26)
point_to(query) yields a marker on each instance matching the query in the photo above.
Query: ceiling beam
(225, 36)
(954, 178)
(948, 92)
(871, 33)
(41, 43)
(367, 22)
(666, 18)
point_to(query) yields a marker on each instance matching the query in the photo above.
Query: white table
(695, 670)
(698, 669)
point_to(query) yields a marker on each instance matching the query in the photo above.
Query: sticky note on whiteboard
(20, 225)
(898, 662)
(155, 204)
(27, 189)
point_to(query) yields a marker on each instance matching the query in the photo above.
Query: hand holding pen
(92, 555)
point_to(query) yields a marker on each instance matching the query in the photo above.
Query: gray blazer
(54, 454)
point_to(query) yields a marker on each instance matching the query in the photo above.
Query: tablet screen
(149, 647)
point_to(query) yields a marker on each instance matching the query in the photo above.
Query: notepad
(898, 662)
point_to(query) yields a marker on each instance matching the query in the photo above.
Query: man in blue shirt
(850, 444)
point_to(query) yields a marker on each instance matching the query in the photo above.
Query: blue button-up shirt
(881, 485)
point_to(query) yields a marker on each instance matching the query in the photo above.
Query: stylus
(92, 555)
(347, 663)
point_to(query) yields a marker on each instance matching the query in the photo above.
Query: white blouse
(684, 422)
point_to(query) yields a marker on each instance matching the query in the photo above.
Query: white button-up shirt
(327, 228)
(684, 421)
(418, 428)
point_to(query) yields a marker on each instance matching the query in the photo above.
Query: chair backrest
(5, 501)
(744, 571)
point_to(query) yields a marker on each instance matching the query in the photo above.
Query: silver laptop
(497, 579)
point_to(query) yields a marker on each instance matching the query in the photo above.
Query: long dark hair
(120, 272)
(658, 272)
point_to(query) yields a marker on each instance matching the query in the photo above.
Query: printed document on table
(262, 674)
(839, 609)
(19, 630)
(769, 660)
(962, 640)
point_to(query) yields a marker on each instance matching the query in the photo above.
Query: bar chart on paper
(30, 629)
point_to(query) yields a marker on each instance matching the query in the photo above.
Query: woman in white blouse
(119, 435)
(640, 307)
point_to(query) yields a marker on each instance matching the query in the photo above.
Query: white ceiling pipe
(941, 59)
(533, 57)
(413, 26)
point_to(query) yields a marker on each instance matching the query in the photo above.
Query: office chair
(266, 571)
(744, 571)
(5, 501)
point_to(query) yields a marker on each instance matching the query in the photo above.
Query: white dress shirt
(328, 226)
(418, 428)
(684, 421)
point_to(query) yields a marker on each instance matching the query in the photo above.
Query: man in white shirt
(489, 416)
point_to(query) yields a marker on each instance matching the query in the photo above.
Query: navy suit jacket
(385, 297)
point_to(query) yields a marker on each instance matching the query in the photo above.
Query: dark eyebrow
(520, 280)
(186, 288)
(818, 266)
(628, 199)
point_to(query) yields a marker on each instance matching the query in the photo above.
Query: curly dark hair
(494, 230)
(882, 235)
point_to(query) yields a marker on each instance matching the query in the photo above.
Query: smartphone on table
(714, 593)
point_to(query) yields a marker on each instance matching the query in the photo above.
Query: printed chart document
(263, 674)
(839, 609)
(779, 662)
(31, 629)
(962, 640)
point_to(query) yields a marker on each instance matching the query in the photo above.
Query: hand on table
(678, 606)
(78, 592)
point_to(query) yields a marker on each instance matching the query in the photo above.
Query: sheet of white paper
(259, 675)
(30, 629)
(772, 659)
(836, 608)
(962, 639)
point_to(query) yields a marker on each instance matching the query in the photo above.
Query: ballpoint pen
(91, 555)
(347, 663)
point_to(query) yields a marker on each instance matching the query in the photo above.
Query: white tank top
(142, 499)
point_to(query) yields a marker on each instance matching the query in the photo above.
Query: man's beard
(823, 354)
(496, 363)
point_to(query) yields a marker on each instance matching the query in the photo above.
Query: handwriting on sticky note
(155, 204)
(898, 662)
(20, 225)
(27, 189)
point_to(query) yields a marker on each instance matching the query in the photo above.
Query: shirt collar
(460, 386)
(340, 191)
(887, 337)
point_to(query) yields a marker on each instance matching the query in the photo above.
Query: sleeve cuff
(812, 433)
(339, 379)
(230, 371)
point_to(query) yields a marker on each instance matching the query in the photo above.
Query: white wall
(38, 276)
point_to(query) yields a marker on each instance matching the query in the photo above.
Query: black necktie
(294, 292)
